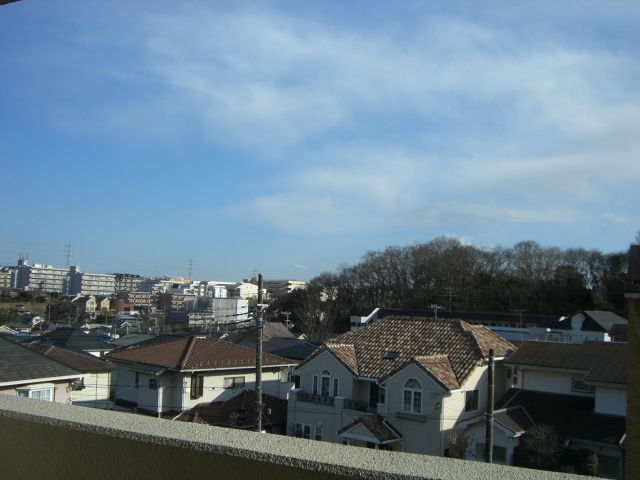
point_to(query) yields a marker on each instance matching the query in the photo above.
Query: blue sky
(290, 137)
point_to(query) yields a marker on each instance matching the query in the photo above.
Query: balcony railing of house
(359, 406)
(317, 399)
(415, 417)
(185, 450)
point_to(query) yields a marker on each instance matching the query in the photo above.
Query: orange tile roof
(195, 353)
(419, 340)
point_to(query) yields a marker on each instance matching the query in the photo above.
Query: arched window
(412, 396)
(324, 384)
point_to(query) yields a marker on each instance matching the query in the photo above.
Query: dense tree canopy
(443, 271)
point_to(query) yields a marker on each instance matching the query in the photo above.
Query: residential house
(589, 325)
(578, 389)
(239, 412)
(86, 303)
(399, 383)
(175, 373)
(95, 388)
(26, 373)
(73, 339)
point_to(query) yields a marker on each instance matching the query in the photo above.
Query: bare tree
(461, 443)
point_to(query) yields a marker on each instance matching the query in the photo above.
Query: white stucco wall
(611, 400)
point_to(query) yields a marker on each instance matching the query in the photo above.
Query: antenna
(69, 254)
(286, 314)
(435, 309)
(450, 294)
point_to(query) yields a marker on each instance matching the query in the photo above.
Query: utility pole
(259, 327)
(488, 445)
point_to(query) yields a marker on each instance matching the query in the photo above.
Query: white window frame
(318, 434)
(413, 394)
(314, 385)
(302, 430)
(233, 383)
(28, 392)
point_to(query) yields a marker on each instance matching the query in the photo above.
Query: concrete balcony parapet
(51, 440)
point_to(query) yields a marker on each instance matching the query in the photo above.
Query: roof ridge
(185, 357)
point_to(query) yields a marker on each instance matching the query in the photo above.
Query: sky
(220, 139)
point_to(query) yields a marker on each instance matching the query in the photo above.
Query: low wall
(49, 440)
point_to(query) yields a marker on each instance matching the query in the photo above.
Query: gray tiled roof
(572, 417)
(601, 361)
(363, 351)
(18, 363)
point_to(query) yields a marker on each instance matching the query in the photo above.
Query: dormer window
(391, 355)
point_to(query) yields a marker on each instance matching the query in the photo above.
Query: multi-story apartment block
(278, 287)
(5, 277)
(40, 277)
(126, 282)
(163, 284)
(91, 283)
(173, 301)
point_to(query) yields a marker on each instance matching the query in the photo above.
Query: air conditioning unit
(77, 384)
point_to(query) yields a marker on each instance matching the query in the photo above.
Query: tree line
(541, 280)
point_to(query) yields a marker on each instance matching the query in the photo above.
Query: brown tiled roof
(379, 428)
(238, 412)
(363, 351)
(439, 368)
(602, 361)
(195, 353)
(84, 363)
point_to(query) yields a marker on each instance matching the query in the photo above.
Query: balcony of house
(71, 442)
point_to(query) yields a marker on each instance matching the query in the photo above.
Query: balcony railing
(194, 451)
(317, 399)
(415, 417)
(359, 406)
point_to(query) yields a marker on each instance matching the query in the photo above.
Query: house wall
(418, 436)
(611, 401)
(454, 404)
(349, 387)
(550, 381)
(61, 390)
(500, 439)
(97, 387)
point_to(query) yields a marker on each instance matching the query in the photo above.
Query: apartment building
(91, 283)
(40, 277)
(126, 282)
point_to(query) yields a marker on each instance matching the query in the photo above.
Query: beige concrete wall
(326, 361)
(75, 442)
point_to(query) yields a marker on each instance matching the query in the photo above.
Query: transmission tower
(69, 254)
(190, 267)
